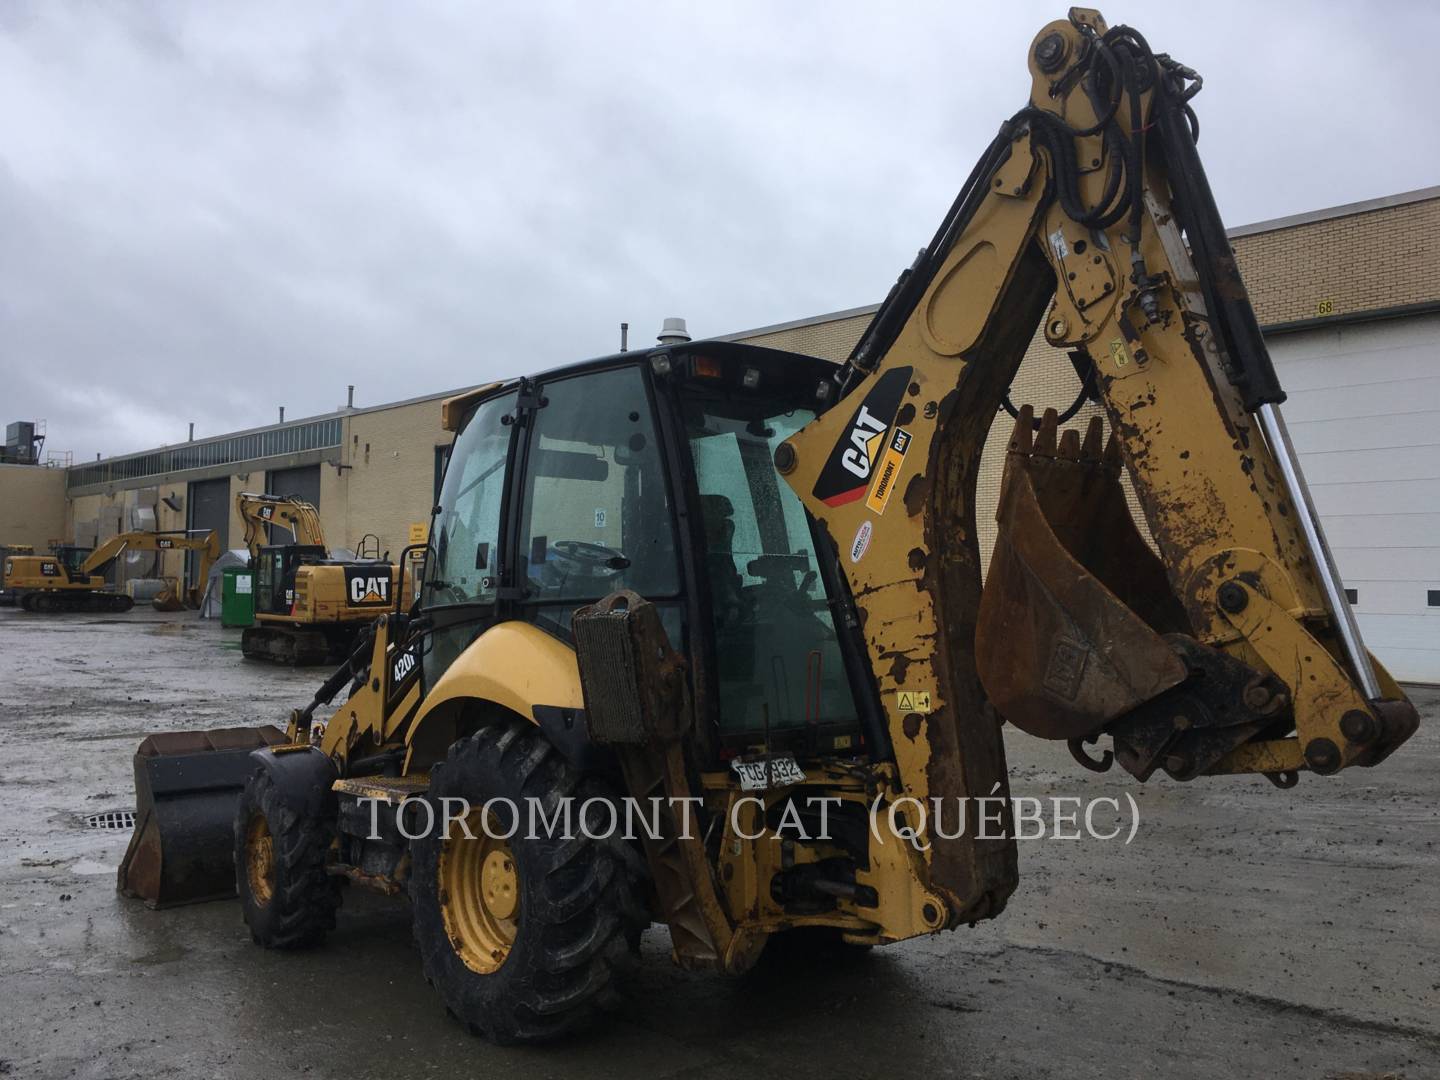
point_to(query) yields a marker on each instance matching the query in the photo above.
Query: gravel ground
(1245, 931)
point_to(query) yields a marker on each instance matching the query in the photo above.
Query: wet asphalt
(1245, 931)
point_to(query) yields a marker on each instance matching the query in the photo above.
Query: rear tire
(287, 898)
(545, 959)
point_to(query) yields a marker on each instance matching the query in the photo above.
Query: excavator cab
(71, 556)
(275, 568)
(655, 476)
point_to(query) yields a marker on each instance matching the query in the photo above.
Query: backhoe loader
(73, 578)
(740, 581)
(308, 606)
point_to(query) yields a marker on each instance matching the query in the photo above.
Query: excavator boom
(286, 511)
(1227, 648)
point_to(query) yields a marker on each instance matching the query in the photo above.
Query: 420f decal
(848, 470)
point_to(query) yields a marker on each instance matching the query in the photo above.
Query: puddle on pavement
(165, 954)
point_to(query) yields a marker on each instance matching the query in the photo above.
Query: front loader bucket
(187, 784)
(1069, 632)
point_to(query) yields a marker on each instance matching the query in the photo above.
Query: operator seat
(718, 514)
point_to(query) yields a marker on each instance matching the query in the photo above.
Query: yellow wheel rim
(479, 895)
(260, 859)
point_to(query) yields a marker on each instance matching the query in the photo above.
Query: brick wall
(830, 340)
(32, 505)
(1381, 258)
(391, 482)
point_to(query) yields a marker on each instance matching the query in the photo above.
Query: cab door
(461, 591)
(594, 509)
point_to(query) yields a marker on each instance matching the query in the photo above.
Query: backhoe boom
(1233, 650)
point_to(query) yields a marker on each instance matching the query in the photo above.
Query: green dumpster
(237, 596)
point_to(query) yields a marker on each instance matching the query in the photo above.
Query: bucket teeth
(1094, 434)
(1022, 438)
(1113, 458)
(1045, 437)
(1070, 444)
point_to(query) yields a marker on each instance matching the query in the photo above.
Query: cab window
(778, 659)
(462, 570)
(596, 514)
(464, 565)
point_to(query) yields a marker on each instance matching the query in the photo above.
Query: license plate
(779, 770)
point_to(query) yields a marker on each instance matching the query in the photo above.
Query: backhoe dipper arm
(1234, 651)
(299, 517)
(100, 559)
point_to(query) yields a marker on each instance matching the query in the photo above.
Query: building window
(311, 435)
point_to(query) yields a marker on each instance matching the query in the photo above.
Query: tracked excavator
(73, 578)
(7, 598)
(308, 605)
(739, 580)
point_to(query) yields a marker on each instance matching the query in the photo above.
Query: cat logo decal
(847, 472)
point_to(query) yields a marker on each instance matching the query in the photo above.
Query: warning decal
(916, 701)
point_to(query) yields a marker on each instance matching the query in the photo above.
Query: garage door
(1364, 412)
(207, 507)
(303, 483)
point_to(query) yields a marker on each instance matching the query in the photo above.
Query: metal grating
(112, 819)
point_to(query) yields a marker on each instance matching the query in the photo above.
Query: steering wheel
(595, 559)
(442, 592)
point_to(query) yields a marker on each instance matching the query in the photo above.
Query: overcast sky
(208, 210)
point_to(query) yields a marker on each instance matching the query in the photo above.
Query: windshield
(778, 659)
(466, 531)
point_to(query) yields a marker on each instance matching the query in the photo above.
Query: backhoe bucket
(187, 784)
(168, 598)
(1069, 633)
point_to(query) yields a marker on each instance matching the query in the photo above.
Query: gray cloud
(210, 210)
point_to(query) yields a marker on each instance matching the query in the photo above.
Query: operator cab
(72, 557)
(654, 472)
(275, 568)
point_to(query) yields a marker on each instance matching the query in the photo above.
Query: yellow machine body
(1219, 645)
(308, 606)
(49, 583)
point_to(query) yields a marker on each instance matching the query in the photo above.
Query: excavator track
(284, 645)
(47, 603)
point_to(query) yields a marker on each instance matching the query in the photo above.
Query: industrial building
(1348, 297)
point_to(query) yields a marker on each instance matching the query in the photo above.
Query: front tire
(287, 898)
(525, 940)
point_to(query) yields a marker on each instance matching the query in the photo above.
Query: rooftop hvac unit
(20, 442)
